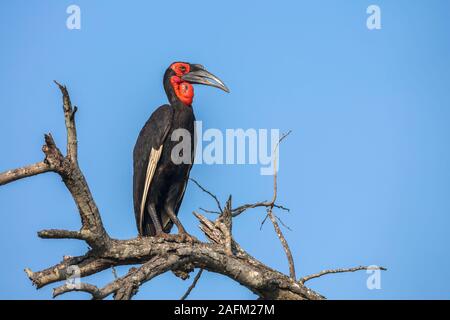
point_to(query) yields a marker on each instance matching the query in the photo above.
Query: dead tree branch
(25, 172)
(222, 254)
(325, 272)
(209, 193)
(192, 286)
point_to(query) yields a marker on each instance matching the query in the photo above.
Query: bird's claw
(186, 237)
(180, 237)
(163, 235)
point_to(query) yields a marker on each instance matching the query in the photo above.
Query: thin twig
(282, 223)
(272, 203)
(264, 221)
(237, 211)
(277, 228)
(275, 171)
(208, 192)
(114, 272)
(324, 272)
(192, 286)
(209, 211)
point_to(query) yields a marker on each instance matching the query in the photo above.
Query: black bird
(158, 181)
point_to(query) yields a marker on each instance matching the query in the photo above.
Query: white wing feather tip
(151, 168)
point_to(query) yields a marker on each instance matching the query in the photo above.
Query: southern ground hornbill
(158, 182)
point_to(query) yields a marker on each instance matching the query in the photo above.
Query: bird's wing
(152, 163)
(166, 221)
(146, 154)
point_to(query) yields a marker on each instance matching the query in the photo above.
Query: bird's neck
(184, 91)
(178, 91)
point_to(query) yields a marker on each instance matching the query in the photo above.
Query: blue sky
(365, 171)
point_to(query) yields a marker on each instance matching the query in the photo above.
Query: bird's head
(180, 76)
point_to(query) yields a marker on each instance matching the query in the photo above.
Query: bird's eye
(183, 68)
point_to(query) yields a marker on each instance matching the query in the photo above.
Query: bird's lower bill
(205, 77)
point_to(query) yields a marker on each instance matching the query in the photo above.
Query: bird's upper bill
(183, 75)
(197, 74)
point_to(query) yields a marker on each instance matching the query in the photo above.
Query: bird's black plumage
(169, 180)
(156, 204)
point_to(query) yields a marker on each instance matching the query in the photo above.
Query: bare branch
(60, 234)
(272, 203)
(114, 272)
(237, 211)
(92, 226)
(24, 172)
(225, 223)
(84, 287)
(284, 243)
(209, 229)
(124, 288)
(69, 116)
(209, 193)
(280, 235)
(263, 221)
(87, 265)
(53, 162)
(324, 272)
(282, 223)
(192, 286)
(209, 211)
(275, 171)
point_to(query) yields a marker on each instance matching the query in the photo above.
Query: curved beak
(201, 76)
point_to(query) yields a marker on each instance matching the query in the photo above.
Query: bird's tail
(149, 229)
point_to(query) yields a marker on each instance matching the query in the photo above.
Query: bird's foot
(186, 237)
(163, 235)
(180, 237)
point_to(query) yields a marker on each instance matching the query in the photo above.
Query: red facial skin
(183, 89)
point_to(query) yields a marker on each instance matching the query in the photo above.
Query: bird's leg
(152, 211)
(181, 230)
(175, 219)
